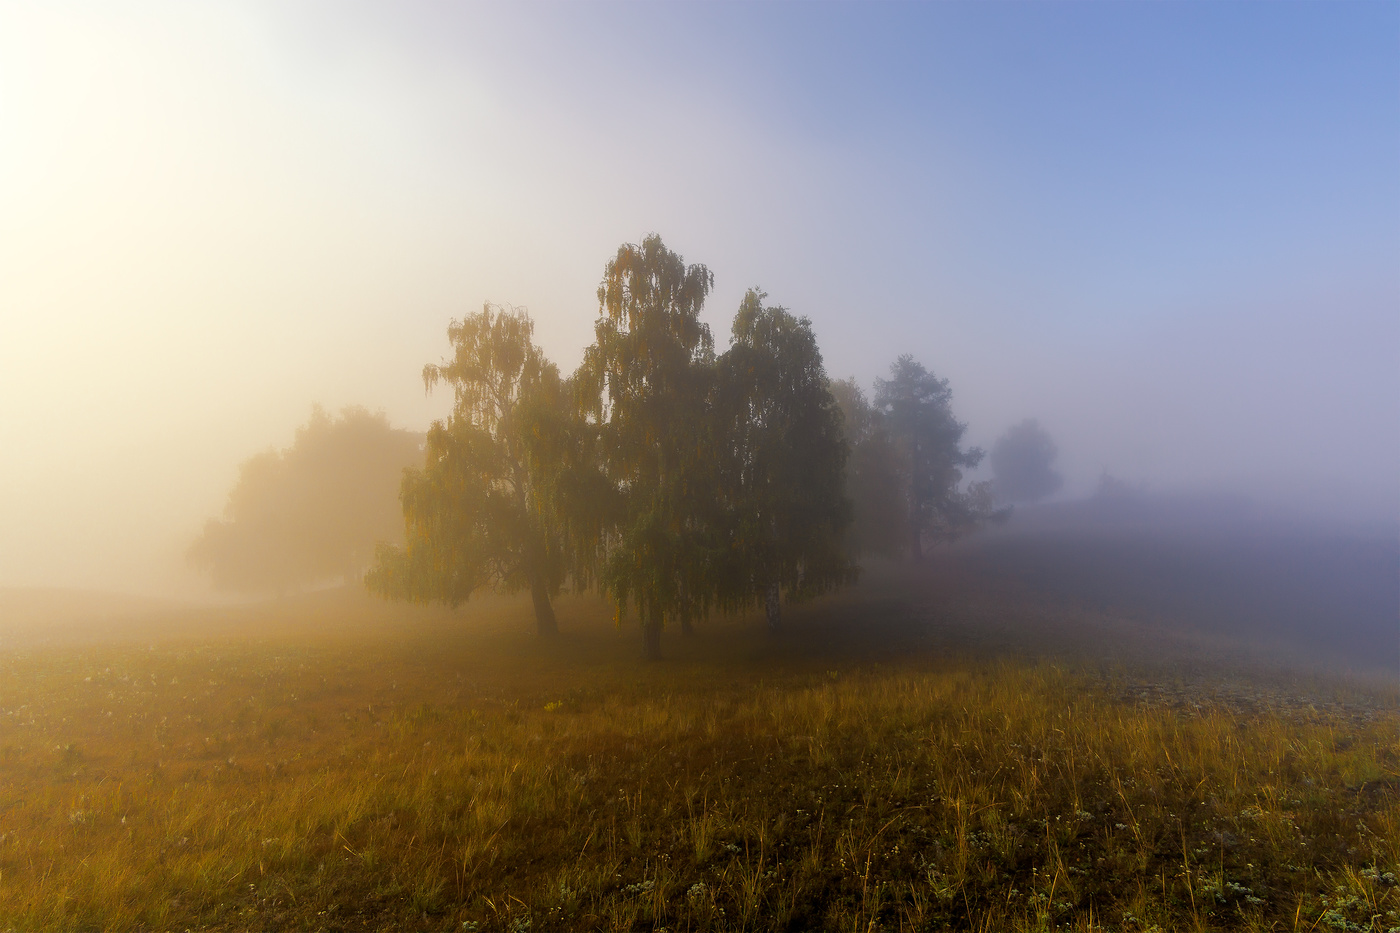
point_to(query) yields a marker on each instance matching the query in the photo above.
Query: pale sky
(1171, 232)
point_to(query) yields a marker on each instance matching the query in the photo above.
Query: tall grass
(424, 779)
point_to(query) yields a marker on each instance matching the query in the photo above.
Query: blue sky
(1169, 231)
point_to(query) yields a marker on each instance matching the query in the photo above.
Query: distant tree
(917, 407)
(313, 512)
(485, 507)
(1021, 464)
(1112, 488)
(875, 480)
(782, 457)
(645, 385)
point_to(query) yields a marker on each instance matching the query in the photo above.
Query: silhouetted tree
(782, 457)
(917, 407)
(1021, 464)
(484, 510)
(875, 480)
(314, 511)
(645, 384)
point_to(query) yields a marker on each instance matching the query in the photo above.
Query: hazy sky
(1169, 231)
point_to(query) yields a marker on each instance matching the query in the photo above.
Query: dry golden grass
(914, 755)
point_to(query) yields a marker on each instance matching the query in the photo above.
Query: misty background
(1169, 233)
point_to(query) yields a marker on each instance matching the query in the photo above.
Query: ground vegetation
(940, 751)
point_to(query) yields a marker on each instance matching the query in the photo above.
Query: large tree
(485, 509)
(875, 476)
(781, 463)
(644, 385)
(917, 407)
(1022, 461)
(311, 513)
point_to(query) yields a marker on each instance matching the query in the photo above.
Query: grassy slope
(940, 751)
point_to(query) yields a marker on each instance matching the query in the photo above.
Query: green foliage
(644, 385)
(312, 512)
(1021, 464)
(673, 481)
(917, 406)
(782, 458)
(875, 479)
(483, 510)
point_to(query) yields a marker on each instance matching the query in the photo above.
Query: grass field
(925, 752)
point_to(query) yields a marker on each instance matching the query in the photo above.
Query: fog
(1296, 590)
(1169, 233)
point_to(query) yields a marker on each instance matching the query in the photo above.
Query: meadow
(934, 749)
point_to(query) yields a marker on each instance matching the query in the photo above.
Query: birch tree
(485, 508)
(782, 466)
(644, 385)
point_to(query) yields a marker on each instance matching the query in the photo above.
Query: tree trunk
(651, 636)
(773, 608)
(916, 544)
(545, 624)
(687, 628)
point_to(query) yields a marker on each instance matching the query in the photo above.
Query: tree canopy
(644, 385)
(917, 407)
(875, 480)
(782, 462)
(313, 512)
(674, 481)
(484, 508)
(1022, 461)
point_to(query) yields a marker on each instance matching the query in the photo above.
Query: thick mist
(1167, 233)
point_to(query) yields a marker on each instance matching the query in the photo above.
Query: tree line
(314, 511)
(673, 479)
